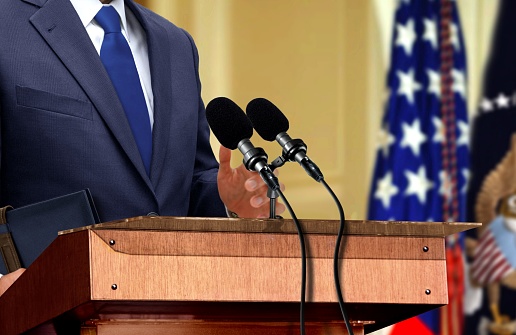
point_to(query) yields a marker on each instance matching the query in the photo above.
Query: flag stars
(385, 140)
(439, 130)
(486, 105)
(440, 135)
(434, 82)
(455, 40)
(418, 184)
(413, 137)
(430, 33)
(408, 85)
(406, 36)
(446, 186)
(459, 82)
(465, 174)
(385, 190)
(408, 184)
(502, 101)
(463, 133)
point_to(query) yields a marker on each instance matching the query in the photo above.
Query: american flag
(495, 255)
(421, 167)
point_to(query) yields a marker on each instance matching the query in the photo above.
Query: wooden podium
(171, 275)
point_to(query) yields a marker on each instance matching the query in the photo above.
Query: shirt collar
(87, 9)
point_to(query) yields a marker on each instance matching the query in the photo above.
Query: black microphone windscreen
(228, 122)
(267, 119)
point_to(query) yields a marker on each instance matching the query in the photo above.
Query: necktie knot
(108, 19)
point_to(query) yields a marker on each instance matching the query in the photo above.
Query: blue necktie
(118, 60)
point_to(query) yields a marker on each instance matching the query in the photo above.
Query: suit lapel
(60, 26)
(160, 66)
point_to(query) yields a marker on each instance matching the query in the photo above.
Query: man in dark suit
(64, 128)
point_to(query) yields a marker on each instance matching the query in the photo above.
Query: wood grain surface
(260, 278)
(231, 270)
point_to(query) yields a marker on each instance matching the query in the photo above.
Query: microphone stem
(272, 204)
(272, 213)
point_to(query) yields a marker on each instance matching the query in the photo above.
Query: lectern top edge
(285, 226)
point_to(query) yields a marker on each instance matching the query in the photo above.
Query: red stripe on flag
(486, 241)
(452, 315)
(489, 264)
(500, 272)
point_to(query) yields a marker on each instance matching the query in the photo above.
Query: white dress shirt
(134, 34)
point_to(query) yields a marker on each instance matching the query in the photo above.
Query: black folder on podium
(27, 231)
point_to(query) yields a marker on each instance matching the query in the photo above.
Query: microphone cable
(336, 276)
(303, 262)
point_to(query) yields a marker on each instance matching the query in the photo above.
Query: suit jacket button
(152, 214)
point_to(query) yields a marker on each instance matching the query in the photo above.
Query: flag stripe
(490, 264)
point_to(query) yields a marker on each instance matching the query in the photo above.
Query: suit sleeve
(204, 196)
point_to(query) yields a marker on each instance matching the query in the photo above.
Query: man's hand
(243, 191)
(7, 280)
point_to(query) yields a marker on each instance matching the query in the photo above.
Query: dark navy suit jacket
(63, 128)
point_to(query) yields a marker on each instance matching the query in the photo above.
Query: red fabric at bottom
(413, 326)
